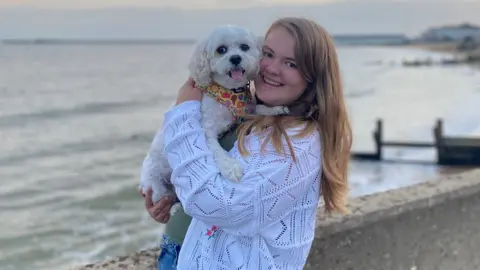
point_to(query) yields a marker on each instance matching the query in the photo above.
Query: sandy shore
(439, 47)
(447, 47)
(455, 56)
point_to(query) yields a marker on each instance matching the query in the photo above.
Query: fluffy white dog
(222, 65)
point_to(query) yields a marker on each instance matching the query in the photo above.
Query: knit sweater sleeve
(273, 184)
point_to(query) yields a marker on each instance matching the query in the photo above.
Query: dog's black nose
(235, 59)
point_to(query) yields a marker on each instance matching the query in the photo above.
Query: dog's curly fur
(211, 62)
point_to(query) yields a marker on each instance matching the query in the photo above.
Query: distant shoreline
(72, 41)
(344, 40)
(446, 47)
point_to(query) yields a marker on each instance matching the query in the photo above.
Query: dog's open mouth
(236, 73)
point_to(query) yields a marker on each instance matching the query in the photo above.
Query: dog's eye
(222, 49)
(244, 47)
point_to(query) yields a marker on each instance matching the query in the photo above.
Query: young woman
(267, 220)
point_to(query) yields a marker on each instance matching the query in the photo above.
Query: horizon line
(185, 39)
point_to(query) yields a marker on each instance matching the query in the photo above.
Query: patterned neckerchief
(236, 100)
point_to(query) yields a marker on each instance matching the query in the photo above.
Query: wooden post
(438, 136)
(377, 136)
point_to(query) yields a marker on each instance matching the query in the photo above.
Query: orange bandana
(236, 101)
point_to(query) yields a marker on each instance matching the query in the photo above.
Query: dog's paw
(175, 208)
(143, 188)
(234, 171)
(237, 171)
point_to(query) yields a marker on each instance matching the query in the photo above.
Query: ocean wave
(92, 145)
(23, 119)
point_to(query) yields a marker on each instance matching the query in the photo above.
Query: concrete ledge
(143, 260)
(432, 225)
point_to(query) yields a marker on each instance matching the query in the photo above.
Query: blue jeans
(168, 258)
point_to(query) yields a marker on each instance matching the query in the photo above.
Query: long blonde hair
(321, 107)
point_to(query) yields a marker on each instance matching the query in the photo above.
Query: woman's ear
(199, 65)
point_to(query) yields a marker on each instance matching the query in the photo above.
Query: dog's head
(230, 56)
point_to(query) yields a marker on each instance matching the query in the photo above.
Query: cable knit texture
(265, 221)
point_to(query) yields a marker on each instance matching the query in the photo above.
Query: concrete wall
(433, 225)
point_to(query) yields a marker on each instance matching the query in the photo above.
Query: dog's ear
(260, 40)
(199, 65)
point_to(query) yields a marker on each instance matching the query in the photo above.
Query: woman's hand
(188, 91)
(160, 211)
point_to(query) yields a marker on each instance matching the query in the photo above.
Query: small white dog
(222, 65)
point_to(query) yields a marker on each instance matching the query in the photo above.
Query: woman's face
(279, 81)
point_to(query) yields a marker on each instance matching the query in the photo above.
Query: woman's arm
(272, 186)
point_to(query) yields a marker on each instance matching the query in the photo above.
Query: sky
(139, 19)
(200, 4)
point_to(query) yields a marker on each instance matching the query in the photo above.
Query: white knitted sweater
(265, 221)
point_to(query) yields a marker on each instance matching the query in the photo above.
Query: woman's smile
(271, 82)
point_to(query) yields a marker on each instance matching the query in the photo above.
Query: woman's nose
(272, 68)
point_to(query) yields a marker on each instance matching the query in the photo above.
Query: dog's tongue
(237, 74)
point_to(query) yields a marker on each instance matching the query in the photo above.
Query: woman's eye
(291, 65)
(267, 54)
(222, 49)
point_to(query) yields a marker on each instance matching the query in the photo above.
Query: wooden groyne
(451, 150)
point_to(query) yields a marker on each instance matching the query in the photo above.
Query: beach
(76, 122)
(452, 53)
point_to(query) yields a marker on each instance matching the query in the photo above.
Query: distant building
(454, 33)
